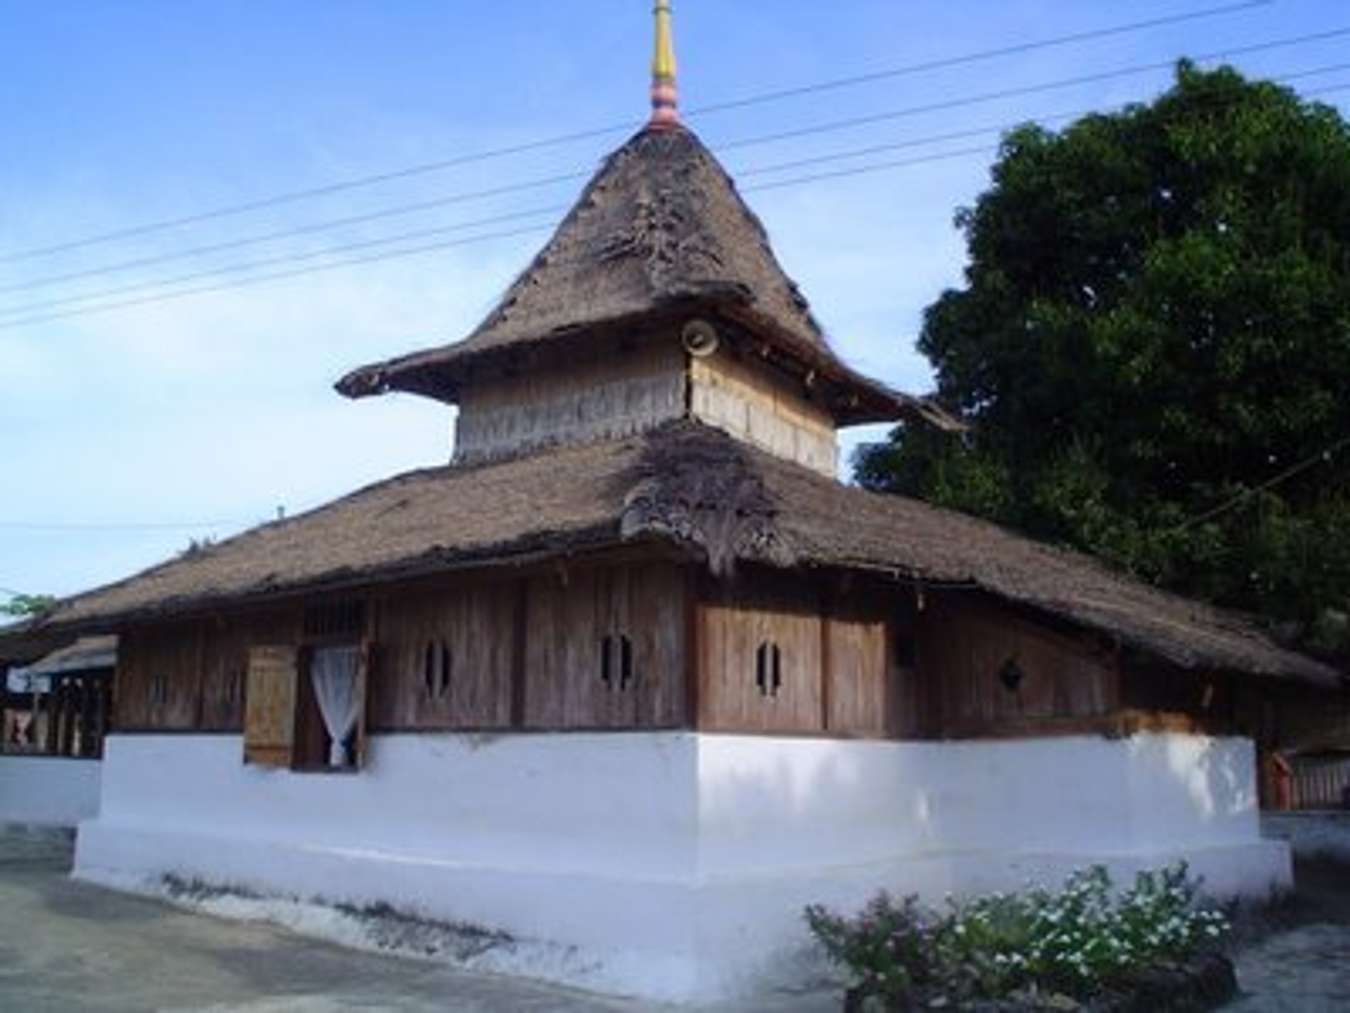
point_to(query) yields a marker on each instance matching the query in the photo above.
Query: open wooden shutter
(269, 718)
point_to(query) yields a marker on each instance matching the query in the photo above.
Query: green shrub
(1074, 941)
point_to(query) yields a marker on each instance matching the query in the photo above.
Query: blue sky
(125, 433)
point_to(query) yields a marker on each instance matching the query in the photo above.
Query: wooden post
(86, 716)
(69, 716)
(520, 620)
(693, 647)
(826, 670)
(102, 703)
(52, 716)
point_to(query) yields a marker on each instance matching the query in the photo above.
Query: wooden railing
(71, 720)
(1320, 784)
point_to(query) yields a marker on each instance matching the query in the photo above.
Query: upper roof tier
(659, 230)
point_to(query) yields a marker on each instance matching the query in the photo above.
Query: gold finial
(665, 105)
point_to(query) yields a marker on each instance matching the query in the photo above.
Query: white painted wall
(49, 791)
(677, 863)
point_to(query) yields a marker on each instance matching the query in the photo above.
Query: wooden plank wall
(855, 658)
(187, 675)
(861, 683)
(512, 652)
(735, 621)
(840, 673)
(755, 404)
(444, 658)
(964, 643)
(624, 392)
(1209, 697)
(158, 680)
(568, 616)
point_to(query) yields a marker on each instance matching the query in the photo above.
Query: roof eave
(439, 373)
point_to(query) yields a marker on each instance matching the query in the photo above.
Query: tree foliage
(1153, 347)
(24, 605)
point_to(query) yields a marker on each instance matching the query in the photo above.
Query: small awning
(86, 654)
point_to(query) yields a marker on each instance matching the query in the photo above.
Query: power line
(323, 226)
(36, 316)
(121, 526)
(1002, 128)
(957, 103)
(473, 195)
(432, 247)
(1284, 476)
(286, 258)
(202, 289)
(587, 134)
(946, 62)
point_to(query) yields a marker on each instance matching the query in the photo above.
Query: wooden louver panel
(269, 718)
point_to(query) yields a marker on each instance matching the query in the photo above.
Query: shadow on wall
(853, 802)
(1218, 776)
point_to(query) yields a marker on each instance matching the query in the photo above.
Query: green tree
(25, 605)
(1152, 347)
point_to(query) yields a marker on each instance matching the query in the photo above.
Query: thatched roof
(659, 229)
(692, 487)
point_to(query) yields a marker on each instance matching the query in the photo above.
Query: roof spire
(665, 107)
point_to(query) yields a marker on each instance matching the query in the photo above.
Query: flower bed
(1086, 945)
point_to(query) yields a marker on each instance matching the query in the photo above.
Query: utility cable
(202, 289)
(119, 526)
(38, 317)
(1032, 89)
(245, 207)
(1288, 473)
(496, 191)
(286, 258)
(432, 247)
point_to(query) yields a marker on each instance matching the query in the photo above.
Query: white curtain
(333, 673)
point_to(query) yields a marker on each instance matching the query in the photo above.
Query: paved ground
(1305, 970)
(1304, 965)
(69, 946)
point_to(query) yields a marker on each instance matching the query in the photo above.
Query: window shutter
(269, 719)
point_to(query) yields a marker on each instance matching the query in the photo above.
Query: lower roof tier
(693, 488)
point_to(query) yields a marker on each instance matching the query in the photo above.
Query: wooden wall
(483, 654)
(836, 671)
(966, 644)
(570, 614)
(656, 644)
(749, 401)
(734, 692)
(444, 658)
(1209, 698)
(190, 674)
(623, 393)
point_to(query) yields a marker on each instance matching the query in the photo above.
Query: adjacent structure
(634, 673)
(54, 713)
